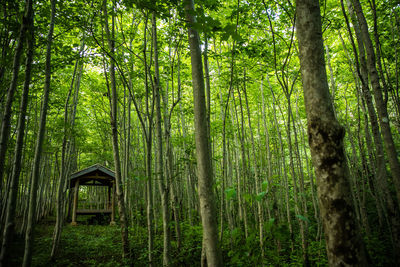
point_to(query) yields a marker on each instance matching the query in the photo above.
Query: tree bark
(377, 161)
(260, 217)
(381, 104)
(368, 66)
(343, 242)
(5, 125)
(12, 198)
(205, 174)
(160, 169)
(66, 154)
(282, 151)
(114, 130)
(148, 139)
(39, 145)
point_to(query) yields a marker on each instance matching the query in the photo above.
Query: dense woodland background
(110, 82)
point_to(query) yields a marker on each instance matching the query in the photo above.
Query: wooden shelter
(96, 175)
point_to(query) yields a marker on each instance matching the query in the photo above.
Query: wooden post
(109, 198)
(75, 207)
(113, 205)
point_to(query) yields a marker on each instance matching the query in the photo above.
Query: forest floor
(82, 245)
(100, 245)
(95, 243)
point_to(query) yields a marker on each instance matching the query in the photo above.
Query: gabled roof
(97, 174)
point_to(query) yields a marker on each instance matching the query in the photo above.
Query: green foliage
(94, 245)
(379, 248)
(239, 39)
(278, 231)
(303, 218)
(82, 245)
(260, 196)
(264, 185)
(317, 253)
(190, 253)
(248, 198)
(230, 193)
(242, 252)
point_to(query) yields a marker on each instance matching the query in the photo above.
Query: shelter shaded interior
(96, 175)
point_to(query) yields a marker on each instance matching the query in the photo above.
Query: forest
(200, 133)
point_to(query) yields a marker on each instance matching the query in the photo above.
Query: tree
(203, 153)
(66, 150)
(39, 144)
(114, 131)
(343, 242)
(11, 204)
(381, 103)
(5, 124)
(251, 173)
(160, 170)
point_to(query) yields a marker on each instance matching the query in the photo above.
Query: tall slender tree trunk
(205, 174)
(332, 79)
(362, 71)
(260, 216)
(149, 190)
(310, 174)
(39, 144)
(160, 164)
(239, 183)
(12, 198)
(114, 131)
(368, 66)
(377, 160)
(285, 176)
(299, 193)
(381, 103)
(66, 150)
(242, 172)
(267, 140)
(343, 241)
(5, 125)
(169, 170)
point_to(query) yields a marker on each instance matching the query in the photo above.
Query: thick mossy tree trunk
(343, 242)
(206, 194)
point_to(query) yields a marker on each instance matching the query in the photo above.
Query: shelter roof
(96, 175)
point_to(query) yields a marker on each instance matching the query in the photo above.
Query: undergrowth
(100, 245)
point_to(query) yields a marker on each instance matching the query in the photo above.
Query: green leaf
(230, 193)
(303, 218)
(236, 233)
(269, 226)
(247, 198)
(237, 37)
(260, 196)
(264, 185)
